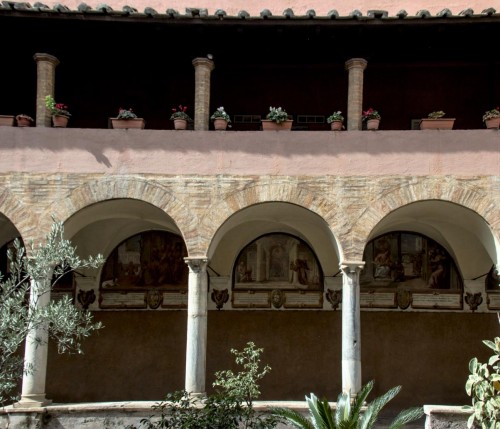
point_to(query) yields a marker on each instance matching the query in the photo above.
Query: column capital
(356, 63)
(352, 266)
(46, 57)
(203, 62)
(196, 263)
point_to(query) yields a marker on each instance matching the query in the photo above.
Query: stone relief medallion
(277, 298)
(404, 298)
(334, 297)
(473, 299)
(154, 298)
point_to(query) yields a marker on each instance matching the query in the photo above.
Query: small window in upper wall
(411, 260)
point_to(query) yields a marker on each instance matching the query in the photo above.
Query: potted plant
(372, 119)
(436, 121)
(180, 117)
(126, 118)
(221, 119)
(59, 112)
(276, 120)
(24, 120)
(491, 118)
(336, 120)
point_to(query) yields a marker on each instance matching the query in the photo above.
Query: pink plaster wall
(300, 7)
(314, 153)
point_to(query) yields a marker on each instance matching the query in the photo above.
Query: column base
(32, 401)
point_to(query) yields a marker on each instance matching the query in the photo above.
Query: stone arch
(22, 218)
(450, 190)
(128, 188)
(274, 190)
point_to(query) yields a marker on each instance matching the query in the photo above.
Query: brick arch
(21, 217)
(453, 191)
(128, 188)
(275, 191)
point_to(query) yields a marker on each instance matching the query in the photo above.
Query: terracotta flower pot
(372, 124)
(220, 124)
(6, 121)
(23, 122)
(137, 123)
(180, 124)
(60, 121)
(268, 125)
(437, 124)
(336, 125)
(492, 123)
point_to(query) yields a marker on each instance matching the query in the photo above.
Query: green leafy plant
(277, 114)
(483, 386)
(349, 413)
(180, 113)
(126, 114)
(230, 407)
(20, 313)
(220, 113)
(436, 114)
(491, 114)
(56, 108)
(335, 116)
(370, 114)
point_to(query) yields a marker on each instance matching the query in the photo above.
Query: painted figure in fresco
(437, 279)
(300, 267)
(382, 260)
(242, 273)
(277, 269)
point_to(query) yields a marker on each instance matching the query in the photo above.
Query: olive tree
(33, 273)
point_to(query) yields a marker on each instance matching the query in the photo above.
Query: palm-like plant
(348, 414)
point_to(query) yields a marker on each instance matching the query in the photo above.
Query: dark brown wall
(140, 355)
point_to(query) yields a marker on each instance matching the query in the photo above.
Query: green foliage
(230, 407)
(220, 113)
(436, 115)
(56, 108)
(483, 386)
(277, 114)
(32, 276)
(349, 413)
(335, 116)
(126, 114)
(491, 114)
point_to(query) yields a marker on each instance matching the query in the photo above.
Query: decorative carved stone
(334, 297)
(220, 297)
(86, 297)
(473, 299)
(404, 298)
(154, 298)
(278, 298)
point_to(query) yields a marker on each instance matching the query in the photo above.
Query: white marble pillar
(196, 344)
(35, 353)
(351, 332)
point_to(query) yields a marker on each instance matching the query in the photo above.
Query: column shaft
(196, 344)
(202, 70)
(35, 353)
(355, 67)
(351, 333)
(45, 85)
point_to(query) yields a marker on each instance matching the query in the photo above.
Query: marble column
(202, 69)
(35, 353)
(351, 333)
(355, 68)
(45, 85)
(196, 344)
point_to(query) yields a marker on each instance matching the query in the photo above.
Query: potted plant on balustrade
(59, 112)
(221, 119)
(491, 118)
(126, 118)
(436, 121)
(336, 121)
(372, 118)
(180, 117)
(24, 120)
(7, 120)
(276, 120)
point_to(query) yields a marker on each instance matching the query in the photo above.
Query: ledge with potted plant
(221, 119)
(276, 120)
(7, 120)
(180, 117)
(59, 112)
(372, 119)
(24, 120)
(436, 121)
(127, 119)
(336, 121)
(491, 118)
